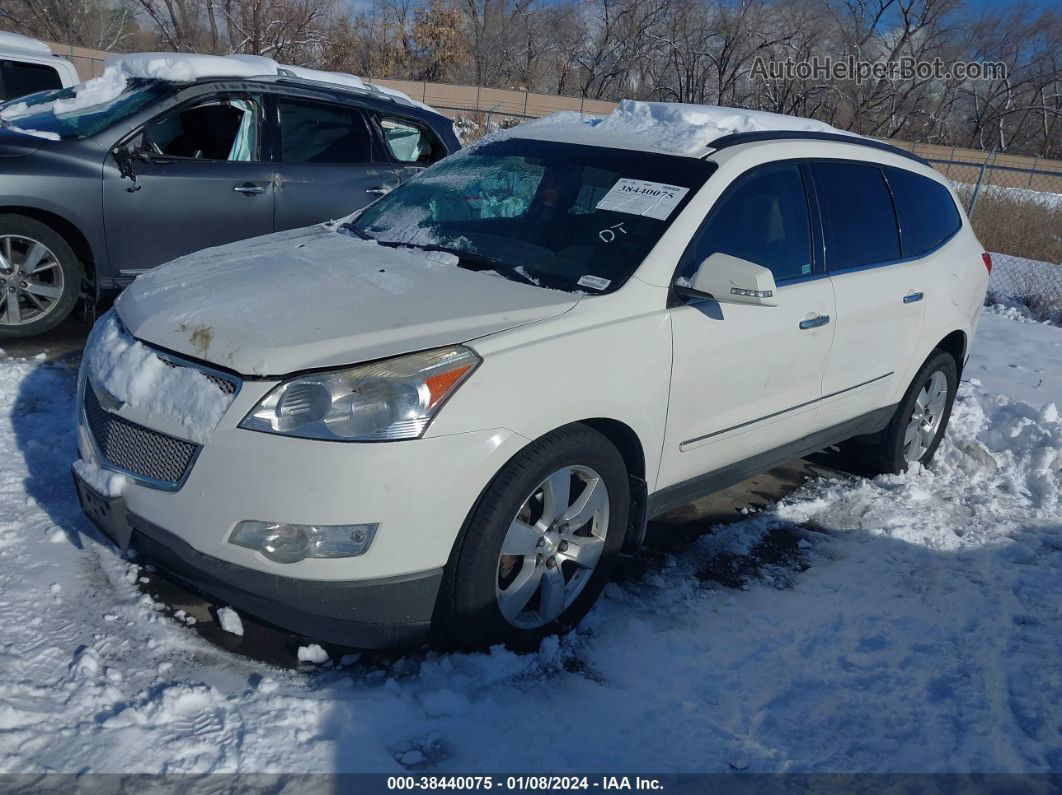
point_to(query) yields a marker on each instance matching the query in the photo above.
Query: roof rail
(367, 89)
(735, 139)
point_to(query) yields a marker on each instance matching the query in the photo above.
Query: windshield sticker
(640, 197)
(594, 282)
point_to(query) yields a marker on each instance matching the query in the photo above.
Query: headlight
(383, 401)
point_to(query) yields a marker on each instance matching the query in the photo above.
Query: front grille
(226, 385)
(135, 449)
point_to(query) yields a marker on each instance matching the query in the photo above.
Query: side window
(221, 129)
(764, 219)
(410, 143)
(315, 132)
(927, 212)
(857, 215)
(18, 79)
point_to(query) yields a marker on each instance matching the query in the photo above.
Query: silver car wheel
(31, 280)
(926, 417)
(552, 547)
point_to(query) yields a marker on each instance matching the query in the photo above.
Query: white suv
(28, 66)
(453, 411)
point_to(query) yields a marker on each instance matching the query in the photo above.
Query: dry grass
(1017, 222)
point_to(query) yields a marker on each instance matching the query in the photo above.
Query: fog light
(290, 543)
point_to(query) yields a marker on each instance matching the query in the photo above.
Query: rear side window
(410, 143)
(18, 79)
(927, 212)
(857, 215)
(315, 132)
(763, 219)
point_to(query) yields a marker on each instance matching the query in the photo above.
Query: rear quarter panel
(957, 281)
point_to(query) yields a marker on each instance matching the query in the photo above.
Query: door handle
(815, 322)
(249, 189)
(911, 298)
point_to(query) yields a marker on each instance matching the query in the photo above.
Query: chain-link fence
(1016, 213)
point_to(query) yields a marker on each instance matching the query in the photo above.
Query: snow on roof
(671, 127)
(187, 68)
(335, 78)
(16, 41)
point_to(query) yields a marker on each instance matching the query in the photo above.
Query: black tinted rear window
(19, 79)
(858, 218)
(927, 212)
(313, 132)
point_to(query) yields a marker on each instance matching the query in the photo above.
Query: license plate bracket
(109, 514)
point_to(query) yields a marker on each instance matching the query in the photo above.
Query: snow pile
(104, 481)
(312, 654)
(187, 67)
(230, 621)
(132, 373)
(903, 624)
(16, 41)
(180, 68)
(672, 126)
(117, 72)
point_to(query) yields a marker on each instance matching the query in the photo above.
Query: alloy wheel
(926, 417)
(552, 547)
(31, 280)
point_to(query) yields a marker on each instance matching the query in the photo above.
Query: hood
(18, 144)
(318, 298)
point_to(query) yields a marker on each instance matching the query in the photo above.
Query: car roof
(695, 131)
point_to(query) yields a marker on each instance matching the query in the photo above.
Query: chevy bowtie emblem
(107, 400)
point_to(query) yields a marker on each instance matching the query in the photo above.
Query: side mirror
(732, 280)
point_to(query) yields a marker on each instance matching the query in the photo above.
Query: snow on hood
(314, 297)
(671, 127)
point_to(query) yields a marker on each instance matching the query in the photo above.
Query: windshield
(70, 114)
(564, 216)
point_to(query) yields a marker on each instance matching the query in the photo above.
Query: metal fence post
(977, 185)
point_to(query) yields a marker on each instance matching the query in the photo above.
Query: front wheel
(40, 277)
(539, 546)
(917, 427)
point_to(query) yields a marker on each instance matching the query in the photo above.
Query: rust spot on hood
(200, 336)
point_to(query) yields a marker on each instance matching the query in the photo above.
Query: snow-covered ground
(909, 623)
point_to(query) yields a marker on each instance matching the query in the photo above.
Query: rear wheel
(917, 426)
(539, 546)
(40, 277)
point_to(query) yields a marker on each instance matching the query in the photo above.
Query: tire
(478, 579)
(889, 453)
(46, 297)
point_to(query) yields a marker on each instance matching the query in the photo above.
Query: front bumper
(369, 614)
(419, 492)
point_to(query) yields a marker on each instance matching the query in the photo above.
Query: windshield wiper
(353, 228)
(480, 262)
(468, 260)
